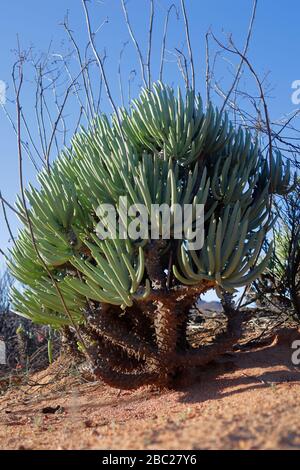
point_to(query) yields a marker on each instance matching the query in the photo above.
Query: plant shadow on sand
(242, 371)
(232, 403)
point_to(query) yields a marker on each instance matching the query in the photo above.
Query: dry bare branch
(188, 39)
(135, 42)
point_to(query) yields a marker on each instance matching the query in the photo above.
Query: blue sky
(274, 49)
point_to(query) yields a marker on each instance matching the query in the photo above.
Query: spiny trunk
(147, 343)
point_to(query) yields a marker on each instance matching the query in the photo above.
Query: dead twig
(188, 40)
(135, 42)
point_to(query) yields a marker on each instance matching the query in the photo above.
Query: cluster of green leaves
(168, 149)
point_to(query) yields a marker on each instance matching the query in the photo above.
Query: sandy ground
(249, 400)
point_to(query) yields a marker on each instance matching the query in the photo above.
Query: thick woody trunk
(147, 344)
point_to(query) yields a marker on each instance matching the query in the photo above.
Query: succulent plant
(131, 297)
(279, 285)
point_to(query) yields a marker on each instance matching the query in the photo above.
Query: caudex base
(147, 343)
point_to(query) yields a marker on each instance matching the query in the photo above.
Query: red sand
(249, 400)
